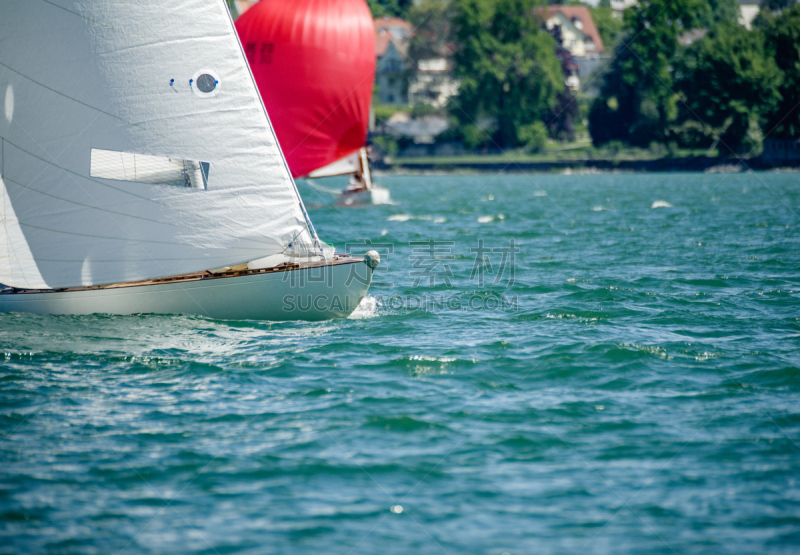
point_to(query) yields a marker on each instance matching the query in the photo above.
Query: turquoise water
(632, 386)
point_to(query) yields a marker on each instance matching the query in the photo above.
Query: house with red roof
(392, 36)
(575, 30)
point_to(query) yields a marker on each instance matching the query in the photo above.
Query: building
(421, 131)
(399, 28)
(433, 83)
(391, 70)
(690, 37)
(574, 30)
(748, 10)
(620, 6)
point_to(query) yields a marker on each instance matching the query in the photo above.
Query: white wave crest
(660, 204)
(367, 308)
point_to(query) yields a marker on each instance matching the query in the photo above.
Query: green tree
(533, 136)
(782, 37)
(728, 82)
(720, 11)
(389, 8)
(608, 25)
(777, 5)
(433, 29)
(637, 101)
(506, 64)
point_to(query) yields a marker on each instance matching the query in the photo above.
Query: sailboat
(139, 171)
(320, 118)
(360, 189)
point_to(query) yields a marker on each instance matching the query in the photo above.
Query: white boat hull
(316, 292)
(376, 195)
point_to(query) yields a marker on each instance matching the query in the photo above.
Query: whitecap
(367, 308)
(540, 193)
(485, 219)
(598, 208)
(399, 218)
(661, 204)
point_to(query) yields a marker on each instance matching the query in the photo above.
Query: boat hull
(317, 292)
(376, 195)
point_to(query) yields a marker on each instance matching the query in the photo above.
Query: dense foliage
(682, 72)
(509, 73)
(389, 8)
(637, 101)
(433, 29)
(728, 83)
(608, 25)
(687, 72)
(782, 41)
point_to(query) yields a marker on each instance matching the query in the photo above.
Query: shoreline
(695, 164)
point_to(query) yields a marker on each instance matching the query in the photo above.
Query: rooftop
(582, 13)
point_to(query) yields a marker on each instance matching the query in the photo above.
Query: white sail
(348, 164)
(163, 86)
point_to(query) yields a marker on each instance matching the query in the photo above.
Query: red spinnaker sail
(314, 63)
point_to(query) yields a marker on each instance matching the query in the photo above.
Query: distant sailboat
(321, 116)
(139, 171)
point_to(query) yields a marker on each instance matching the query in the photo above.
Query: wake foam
(367, 308)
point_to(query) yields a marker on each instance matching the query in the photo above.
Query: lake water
(546, 364)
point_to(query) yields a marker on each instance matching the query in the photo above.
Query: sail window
(145, 168)
(205, 83)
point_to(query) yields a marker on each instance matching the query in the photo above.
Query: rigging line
(291, 242)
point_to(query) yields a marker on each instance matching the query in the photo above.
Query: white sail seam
(198, 215)
(121, 238)
(102, 112)
(173, 140)
(67, 170)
